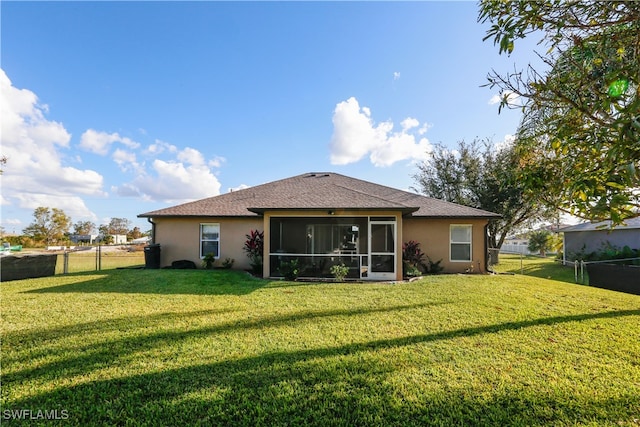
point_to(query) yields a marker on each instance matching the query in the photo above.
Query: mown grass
(83, 261)
(543, 267)
(170, 347)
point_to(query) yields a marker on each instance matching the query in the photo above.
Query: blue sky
(112, 109)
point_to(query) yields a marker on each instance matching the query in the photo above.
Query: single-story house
(322, 219)
(583, 239)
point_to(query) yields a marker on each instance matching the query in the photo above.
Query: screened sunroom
(366, 245)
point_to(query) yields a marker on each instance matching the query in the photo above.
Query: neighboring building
(89, 239)
(141, 240)
(593, 237)
(322, 219)
(119, 239)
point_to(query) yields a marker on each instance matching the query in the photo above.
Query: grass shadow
(164, 282)
(324, 386)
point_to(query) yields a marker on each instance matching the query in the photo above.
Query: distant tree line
(53, 226)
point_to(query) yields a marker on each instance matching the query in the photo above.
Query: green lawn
(171, 347)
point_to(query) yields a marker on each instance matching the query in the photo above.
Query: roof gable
(319, 191)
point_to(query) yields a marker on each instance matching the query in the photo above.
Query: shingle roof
(319, 191)
(631, 223)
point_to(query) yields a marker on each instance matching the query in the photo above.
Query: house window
(209, 240)
(460, 243)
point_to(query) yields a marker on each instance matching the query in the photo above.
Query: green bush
(339, 271)
(289, 269)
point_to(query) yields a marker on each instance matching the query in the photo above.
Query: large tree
(84, 227)
(579, 138)
(480, 175)
(118, 226)
(49, 225)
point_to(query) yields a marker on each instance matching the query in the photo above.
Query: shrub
(339, 271)
(415, 262)
(254, 248)
(289, 269)
(228, 263)
(208, 261)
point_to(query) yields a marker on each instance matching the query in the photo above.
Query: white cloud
(396, 75)
(505, 143)
(355, 135)
(34, 174)
(409, 123)
(73, 206)
(186, 177)
(239, 187)
(216, 162)
(172, 181)
(159, 147)
(191, 156)
(100, 142)
(126, 161)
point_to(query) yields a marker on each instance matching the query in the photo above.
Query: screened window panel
(382, 239)
(211, 247)
(460, 252)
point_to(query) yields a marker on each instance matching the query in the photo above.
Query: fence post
(582, 271)
(575, 270)
(521, 268)
(99, 257)
(66, 263)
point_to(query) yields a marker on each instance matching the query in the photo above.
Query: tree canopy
(49, 225)
(579, 140)
(480, 175)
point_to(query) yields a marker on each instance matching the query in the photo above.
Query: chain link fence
(96, 258)
(532, 265)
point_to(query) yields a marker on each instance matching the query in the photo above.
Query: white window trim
(470, 242)
(200, 240)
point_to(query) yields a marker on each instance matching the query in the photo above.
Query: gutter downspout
(487, 253)
(153, 230)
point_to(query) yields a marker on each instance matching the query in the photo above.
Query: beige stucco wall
(179, 238)
(433, 236)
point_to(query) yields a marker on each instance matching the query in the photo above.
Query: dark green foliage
(415, 262)
(289, 269)
(540, 241)
(611, 252)
(579, 136)
(479, 175)
(208, 261)
(254, 248)
(228, 263)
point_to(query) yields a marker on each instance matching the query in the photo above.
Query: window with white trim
(209, 240)
(460, 243)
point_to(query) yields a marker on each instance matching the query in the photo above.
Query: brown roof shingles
(319, 191)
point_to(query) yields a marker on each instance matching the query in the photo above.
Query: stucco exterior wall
(433, 236)
(577, 242)
(179, 238)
